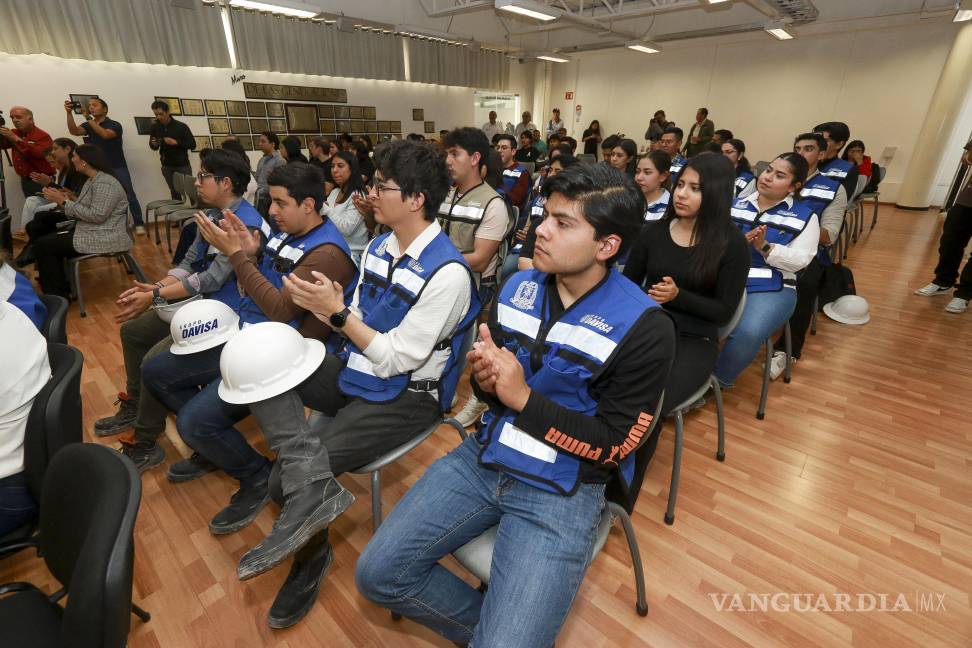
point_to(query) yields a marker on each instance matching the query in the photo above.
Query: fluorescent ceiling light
(295, 9)
(712, 2)
(553, 57)
(646, 47)
(778, 30)
(963, 11)
(529, 9)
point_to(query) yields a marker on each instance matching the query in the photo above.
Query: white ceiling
(484, 24)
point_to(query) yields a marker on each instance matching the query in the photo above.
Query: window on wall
(507, 107)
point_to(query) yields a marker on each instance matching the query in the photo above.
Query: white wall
(880, 82)
(130, 88)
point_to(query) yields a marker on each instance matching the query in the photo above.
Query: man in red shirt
(29, 144)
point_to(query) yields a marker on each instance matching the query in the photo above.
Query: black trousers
(44, 223)
(52, 250)
(951, 248)
(29, 186)
(807, 287)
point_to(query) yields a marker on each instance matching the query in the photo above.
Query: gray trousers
(143, 338)
(358, 433)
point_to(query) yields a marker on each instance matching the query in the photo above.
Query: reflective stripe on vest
(576, 347)
(743, 180)
(657, 209)
(387, 291)
(783, 225)
(229, 292)
(461, 215)
(836, 168)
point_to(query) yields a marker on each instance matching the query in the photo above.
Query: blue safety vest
(837, 169)
(678, 163)
(387, 291)
(15, 288)
(818, 192)
(783, 224)
(282, 255)
(570, 353)
(510, 178)
(533, 213)
(657, 209)
(742, 181)
(229, 292)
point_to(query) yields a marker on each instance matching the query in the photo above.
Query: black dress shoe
(299, 592)
(244, 506)
(26, 256)
(304, 513)
(188, 469)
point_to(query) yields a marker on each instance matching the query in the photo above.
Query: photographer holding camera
(29, 144)
(106, 134)
(173, 140)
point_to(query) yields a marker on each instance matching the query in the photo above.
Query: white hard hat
(166, 311)
(266, 360)
(202, 325)
(849, 309)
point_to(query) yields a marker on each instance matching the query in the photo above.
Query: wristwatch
(158, 299)
(766, 248)
(338, 320)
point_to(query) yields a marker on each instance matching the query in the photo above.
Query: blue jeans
(17, 506)
(543, 546)
(764, 313)
(125, 178)
(205, 422)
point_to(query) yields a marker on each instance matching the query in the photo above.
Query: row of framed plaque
(240, 126)
(270, 109)
(249, 141)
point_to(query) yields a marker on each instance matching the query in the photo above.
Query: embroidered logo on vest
(526, 295)
(381, 248)
(416, 266)
(596, 321)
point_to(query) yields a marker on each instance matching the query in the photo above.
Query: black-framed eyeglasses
(380, 187)
(202, 175)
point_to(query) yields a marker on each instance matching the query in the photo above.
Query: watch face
(338, 319)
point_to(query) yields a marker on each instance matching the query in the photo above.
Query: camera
(3, 122)
(76, 105)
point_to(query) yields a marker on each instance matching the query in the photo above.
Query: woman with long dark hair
(624, 156)
(592, 138)
(341, 208)
(651, 176)
(290, 149)
(783, 233)
(735, 150)
(694, 262)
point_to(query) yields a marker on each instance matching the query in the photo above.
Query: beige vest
(461, 217)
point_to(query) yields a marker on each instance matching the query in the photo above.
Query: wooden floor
(859, 481)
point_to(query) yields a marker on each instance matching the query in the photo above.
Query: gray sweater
(101, 212)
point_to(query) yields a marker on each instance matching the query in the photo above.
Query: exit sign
(568, 95)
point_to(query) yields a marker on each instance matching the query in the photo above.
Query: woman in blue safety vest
(735, 150)
(651, 176)
(783, 233)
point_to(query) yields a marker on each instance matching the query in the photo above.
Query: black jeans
(167, 172)
(951, 248)
(29, 186)
(807, 287)
(51, 251)
(44, 223)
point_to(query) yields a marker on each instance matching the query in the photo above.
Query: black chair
(54, 422)
(88, 509)
(55, 326)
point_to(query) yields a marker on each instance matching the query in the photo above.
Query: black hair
(813, 137)
(610, 141)
(658, 112)
(662, 162)
(591, 127)
(224, 163)
(724, 133)
(676, 131)
(704, 111)
(553, 136)
(631, 149)
(526, 133)
(94, 157)
(742, 164)
(158, 103)
(713, 226)
(854, 144)
(355, 183)
(236, 147)
(798, 164)
(564, 149)
(570, 141)
(494, 170)
(344, 137)
(292, 145)
(416, 168)
(471, 140)
(366, 139)
(565, 160)
(68, 143)
(837, 131)
(556, 110)
(609, 200)
(713, 147)
(272, 138)
(505, 136)
(319, 142)
(99, 99)
(301, 180)
(415, 137)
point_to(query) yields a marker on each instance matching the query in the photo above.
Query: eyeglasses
(202, 175)
(379, 188)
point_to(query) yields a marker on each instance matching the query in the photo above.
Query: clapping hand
(230, 236)
(134, 301)
(323, 298)
(757, 236)
(498, 372)
(55, 195)
(41, 178)
(663, 291)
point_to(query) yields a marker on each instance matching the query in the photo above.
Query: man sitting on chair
(572, 365)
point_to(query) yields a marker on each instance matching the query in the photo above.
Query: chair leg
(141, 614)
(629, 534)
(813, 315)
(168, 234)
(874, 215)
(720, 419)
(768, 359)
(458, 428)
(375, 500)
(788, 342)
(676, 470)
(76, 274)
(134, 267)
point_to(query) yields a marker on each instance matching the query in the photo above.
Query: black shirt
(630, 384)
(530, 154)
(111, 147)
(700, 308)
(591, 145)
(177, 155)
(325, 168)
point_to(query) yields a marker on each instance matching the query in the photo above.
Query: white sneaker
(141, 231)
(932, 289)
(957, 305)
(470, 412)
(778, 364)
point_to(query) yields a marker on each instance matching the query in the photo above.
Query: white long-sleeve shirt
(790, 259)
(26, 369)
(440, 308)
(348, 220)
